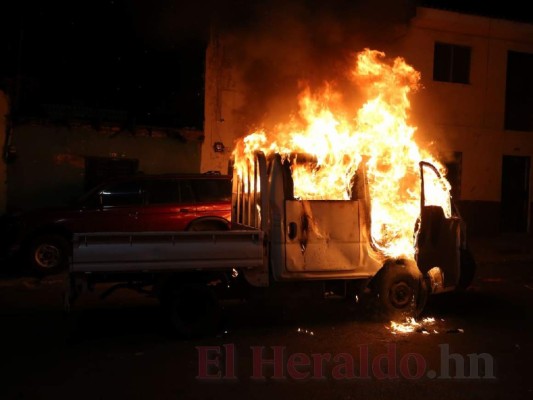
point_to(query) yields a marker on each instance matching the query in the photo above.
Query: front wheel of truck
(193, 310)
(400, 291)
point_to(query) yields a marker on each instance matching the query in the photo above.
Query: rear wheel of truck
(400, 291)
(48, 254)
(193, 310)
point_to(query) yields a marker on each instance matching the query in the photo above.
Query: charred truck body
(276, 239)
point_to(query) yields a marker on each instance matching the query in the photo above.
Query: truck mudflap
(167, 251)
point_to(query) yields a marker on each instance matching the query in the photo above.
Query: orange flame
(377, 133)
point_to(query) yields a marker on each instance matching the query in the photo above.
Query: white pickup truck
(276, 239)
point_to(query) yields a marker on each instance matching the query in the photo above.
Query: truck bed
(239, 247)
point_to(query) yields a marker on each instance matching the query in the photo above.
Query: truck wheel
(400, 291)
(193, 310)
(468, 269)
(48, 254)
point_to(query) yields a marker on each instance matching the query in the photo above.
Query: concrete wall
(223, 98)
(50, 164)
(450, 117)
(3, 171)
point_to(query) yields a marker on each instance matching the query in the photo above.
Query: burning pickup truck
(277, 239)
(325, 197)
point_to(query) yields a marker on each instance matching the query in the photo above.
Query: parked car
(157, 203)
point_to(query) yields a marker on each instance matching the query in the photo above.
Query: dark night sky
(142, 57)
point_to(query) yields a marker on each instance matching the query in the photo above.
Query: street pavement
(120, 348)
(511, 247)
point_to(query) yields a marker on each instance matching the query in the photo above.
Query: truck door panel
(169, 205)
(322, 235)
(438, 236)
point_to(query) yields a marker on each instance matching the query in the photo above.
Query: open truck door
(438, 235)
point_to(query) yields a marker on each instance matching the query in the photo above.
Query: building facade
(474, 109)
(53, 163)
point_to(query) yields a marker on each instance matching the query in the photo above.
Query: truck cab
(331, 239)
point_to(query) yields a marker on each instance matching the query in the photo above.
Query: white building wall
(223, 98)
(468, 117)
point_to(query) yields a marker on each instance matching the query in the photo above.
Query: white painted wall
(468, 118)
(223, 98)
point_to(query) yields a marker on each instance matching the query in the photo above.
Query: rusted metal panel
(322, 235)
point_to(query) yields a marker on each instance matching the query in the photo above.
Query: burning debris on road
(426, 326)
(410, 325)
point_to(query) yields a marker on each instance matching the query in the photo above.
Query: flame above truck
(339, 136)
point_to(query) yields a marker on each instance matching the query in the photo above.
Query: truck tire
(48, 254)
(193, 310)
(400, 291)
(468, 269)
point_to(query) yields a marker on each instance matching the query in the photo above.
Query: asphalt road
(120, 348)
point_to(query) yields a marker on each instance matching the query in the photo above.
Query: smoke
(276, 46)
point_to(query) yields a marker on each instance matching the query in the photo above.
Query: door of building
(515, 194)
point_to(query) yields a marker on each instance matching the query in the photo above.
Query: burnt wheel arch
(208, 224)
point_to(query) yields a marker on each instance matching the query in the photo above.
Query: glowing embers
(411, 325)
(425, 326)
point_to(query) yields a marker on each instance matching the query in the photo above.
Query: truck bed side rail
(166, 251)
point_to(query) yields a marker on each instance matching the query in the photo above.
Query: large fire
(377, 133)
